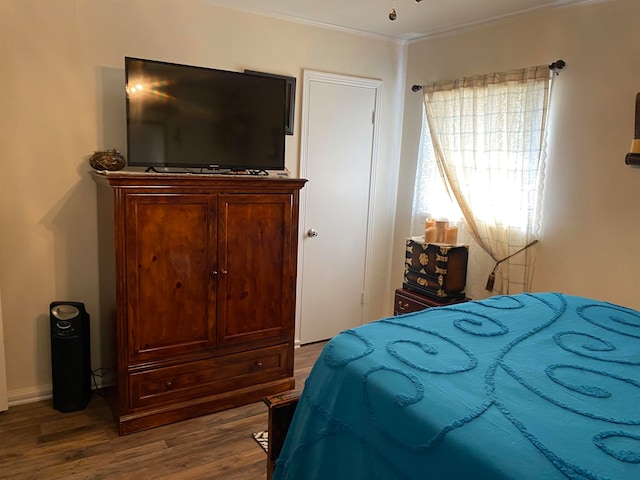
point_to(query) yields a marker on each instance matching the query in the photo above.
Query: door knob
(312, 232)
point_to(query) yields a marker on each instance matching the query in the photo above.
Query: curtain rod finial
(416, 88)
(558, 65)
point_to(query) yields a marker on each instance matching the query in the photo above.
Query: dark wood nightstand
(406, 301)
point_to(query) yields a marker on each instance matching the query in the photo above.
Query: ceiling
(415, 19)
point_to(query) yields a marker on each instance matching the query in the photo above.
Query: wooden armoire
(199, 272)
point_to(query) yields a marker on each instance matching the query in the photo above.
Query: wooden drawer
(406, 301)
(208, 377)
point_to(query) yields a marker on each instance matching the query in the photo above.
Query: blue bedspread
(531, 386)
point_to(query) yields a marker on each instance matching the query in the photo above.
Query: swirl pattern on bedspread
(535, 386)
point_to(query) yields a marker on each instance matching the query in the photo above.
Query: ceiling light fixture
(392, 13)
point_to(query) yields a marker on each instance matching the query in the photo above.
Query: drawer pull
(402, 306)
(169, 385)
(259, 363)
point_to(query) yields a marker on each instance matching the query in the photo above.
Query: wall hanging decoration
(633, 157)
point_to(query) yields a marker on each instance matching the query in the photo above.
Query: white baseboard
(22, 396)
(29, 395)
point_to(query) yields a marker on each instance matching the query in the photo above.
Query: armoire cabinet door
(170, 260)
(255, 288)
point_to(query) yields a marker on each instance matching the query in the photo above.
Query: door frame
(310, 76)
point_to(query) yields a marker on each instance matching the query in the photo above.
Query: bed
(529, 386)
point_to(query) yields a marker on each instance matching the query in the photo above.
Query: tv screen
(203, 118)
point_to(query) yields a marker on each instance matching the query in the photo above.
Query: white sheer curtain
(482, 160)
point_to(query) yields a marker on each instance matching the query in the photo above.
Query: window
(482, 161)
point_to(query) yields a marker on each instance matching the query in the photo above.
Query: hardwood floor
(38, 442)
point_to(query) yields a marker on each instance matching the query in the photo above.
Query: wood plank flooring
(38, 442)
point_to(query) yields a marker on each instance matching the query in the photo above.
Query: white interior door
(339, 143)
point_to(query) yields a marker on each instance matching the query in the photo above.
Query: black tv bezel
(208, 166)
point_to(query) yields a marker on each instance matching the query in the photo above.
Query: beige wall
(62, 97)
(591, 227)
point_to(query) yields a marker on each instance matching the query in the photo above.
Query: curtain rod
(555, 67)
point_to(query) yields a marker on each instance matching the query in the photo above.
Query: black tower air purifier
(70, 356)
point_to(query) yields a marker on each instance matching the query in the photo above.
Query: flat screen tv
(202, 118)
